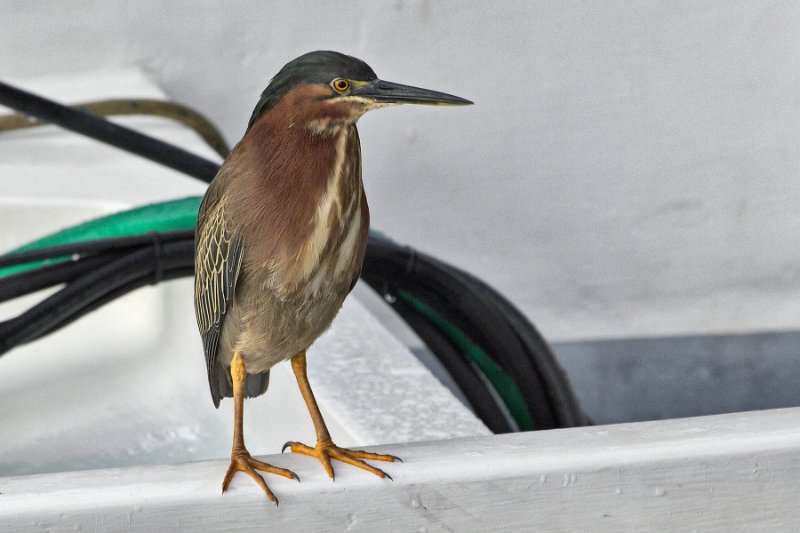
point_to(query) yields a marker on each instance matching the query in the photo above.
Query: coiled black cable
(92, 280)
(483, 315)
(108, 132)
(463, 373)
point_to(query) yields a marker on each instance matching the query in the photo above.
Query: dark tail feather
(256, 384)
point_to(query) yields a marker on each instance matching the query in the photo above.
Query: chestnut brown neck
(290, 156)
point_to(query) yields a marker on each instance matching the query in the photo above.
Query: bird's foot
(241, 461)
(327, 450)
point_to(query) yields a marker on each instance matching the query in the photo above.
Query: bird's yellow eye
(340, 84)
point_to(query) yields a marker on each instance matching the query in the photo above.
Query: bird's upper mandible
(345, 86)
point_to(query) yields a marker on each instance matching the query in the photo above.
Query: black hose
(47, 276)
(108, 132)
(458, 367)
(550, 385)
(89, 287)
(92, 246)
(389, 268)
(110, 296)
(135, 106)
(563, 399)
(455, 303)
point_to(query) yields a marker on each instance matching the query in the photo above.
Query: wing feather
(218, 261)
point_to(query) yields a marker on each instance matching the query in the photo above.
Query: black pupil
(341, 85)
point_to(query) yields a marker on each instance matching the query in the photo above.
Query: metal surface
(628, 380)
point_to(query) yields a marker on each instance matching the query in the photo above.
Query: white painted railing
(735, 472)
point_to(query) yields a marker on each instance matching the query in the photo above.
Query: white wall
(630, 168)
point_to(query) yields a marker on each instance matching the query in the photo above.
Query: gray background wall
(629, 168)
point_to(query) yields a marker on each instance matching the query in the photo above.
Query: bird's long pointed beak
(387, 92)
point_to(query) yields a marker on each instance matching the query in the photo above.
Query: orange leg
(325, 450)
(241, 461)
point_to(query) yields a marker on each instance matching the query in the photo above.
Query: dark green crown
(314, 67)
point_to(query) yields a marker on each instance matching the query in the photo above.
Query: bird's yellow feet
(326, 450)
(241, 461)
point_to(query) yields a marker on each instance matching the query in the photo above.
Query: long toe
(266, 467)
(325, 452)
(243, 462)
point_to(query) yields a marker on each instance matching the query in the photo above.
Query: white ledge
(726, 472)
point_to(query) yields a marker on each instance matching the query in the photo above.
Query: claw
(241, 461)
(327, 451)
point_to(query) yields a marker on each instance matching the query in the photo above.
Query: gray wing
(218, 261)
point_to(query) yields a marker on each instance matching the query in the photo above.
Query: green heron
(281, 235)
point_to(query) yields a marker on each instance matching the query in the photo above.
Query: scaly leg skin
(325, 450)
(241, 461)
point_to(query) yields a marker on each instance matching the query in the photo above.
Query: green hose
(163, 216)
(500, 380)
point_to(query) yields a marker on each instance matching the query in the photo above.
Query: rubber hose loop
(158, 257)
(392, 286)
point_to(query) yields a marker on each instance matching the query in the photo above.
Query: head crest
(314, 67)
